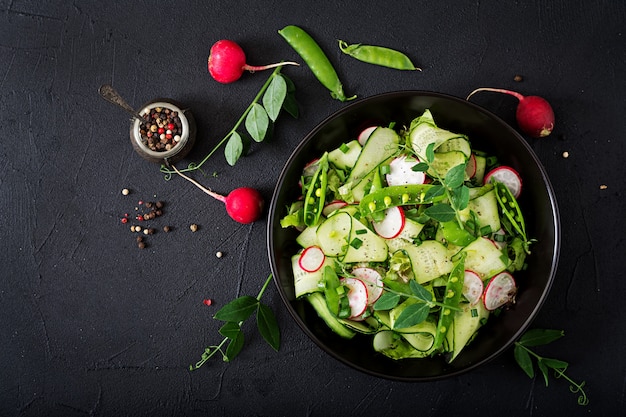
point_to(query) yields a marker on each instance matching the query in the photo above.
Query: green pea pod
(396, 195)
(378, 55)
(316, 60)
(316, 194)
(510, 209)
(451, 298)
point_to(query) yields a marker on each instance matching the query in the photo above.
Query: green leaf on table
(537, 337)
(555, 364)
(230, 329)
(233, 149)
(257, 122)
(234, 347)
(238, 309)
(544, 369)
(268, 326)
(523, 359)
(274, 97)
(440, 212)
(387, 301)
(412, 315)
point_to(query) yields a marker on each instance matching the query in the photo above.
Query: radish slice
(357, 296)
(472, 287)
(373, 280)
(508, 176)
(311, 259)
(392, 224)
(400, 172)
(470, 169)
(365, 134)
(332, 206)
(500, 290)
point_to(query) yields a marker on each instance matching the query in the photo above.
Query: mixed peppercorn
(162, 129)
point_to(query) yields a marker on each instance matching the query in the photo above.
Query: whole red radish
(227, 62)
(243, 205)
(534, 114)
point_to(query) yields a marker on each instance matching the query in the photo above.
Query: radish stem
(497, 90)
(253, 68)
(200, 186)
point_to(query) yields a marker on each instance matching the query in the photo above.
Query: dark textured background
(90, 325)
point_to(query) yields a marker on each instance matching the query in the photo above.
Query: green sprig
(234, 314)
(524, 358)
(277, 92)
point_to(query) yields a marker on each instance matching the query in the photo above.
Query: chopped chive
(485, 230)
(474, 312)
(361, 232)
(499, 237)
(356, 243)
(385, 169)
(344, 148)
(392, 125)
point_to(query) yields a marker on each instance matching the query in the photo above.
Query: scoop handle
(111, 95)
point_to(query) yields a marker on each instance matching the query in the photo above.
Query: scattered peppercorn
(125, 191)
(141, 245)
(207, 302)
(565, 154)
(193, 227)
(518, 78)
(219, 254)
(604, 187)
(166, 229)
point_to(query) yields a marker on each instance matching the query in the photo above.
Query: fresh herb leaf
(440, 212)
(455, 176)
(523, 356)
(420, 292)
(387, 301)
(230, 329)
(268, 326)
(420, 167)
(234, 313)
(238, 309)
(537, 337)
(233, 149)
(412, 315)
(430, 153)
(257, 122)
(274, 97)
(234, 347)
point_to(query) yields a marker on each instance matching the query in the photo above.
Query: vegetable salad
(409, 235)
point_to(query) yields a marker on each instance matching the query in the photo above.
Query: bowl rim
(272, 219)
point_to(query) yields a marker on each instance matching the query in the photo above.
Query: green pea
(378, 55)
(316, 60)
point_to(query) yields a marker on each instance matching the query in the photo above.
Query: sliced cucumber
(308, 237)
(364, 245)
(481, 167)
(306, 282)
(466, 322)
(485, 258)
(445, 161)
(318, 302)
(424, 134)
(345, 156)
(382, 145)
(486, 209)
(334, 234)
(456, 144)
(429, 260)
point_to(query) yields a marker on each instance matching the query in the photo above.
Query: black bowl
(487, 132)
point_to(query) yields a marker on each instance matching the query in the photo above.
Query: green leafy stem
(524, 355)
(234, 314)
(277, 92)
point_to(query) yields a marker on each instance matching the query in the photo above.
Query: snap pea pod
(511, 209)
(316, 193)
(316, 60)
(378, 55)
(396, 195)
(451, 298)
